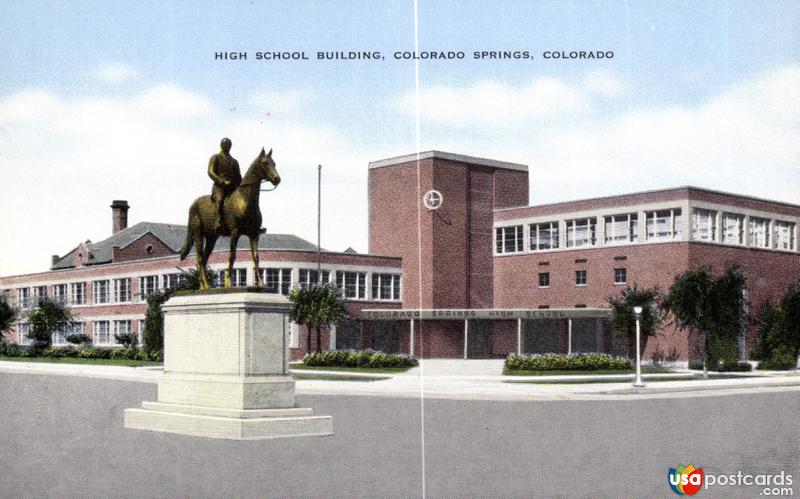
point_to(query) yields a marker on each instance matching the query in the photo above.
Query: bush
(78, 339)
(560, 362)
(362, 358)
(781, 359)
(10, 349)
(741, 367)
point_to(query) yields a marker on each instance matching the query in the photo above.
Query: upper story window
(620, 276)
(309, 277)
(704, 225)
(581, 232)
(758, 232)
(732, 228)
(784, 235)
(386, 287)
(544, 279)
(663, 225)
(24, 297)
(508, 239)
(544, 236)
(277, 280)
(148, 285)
(100, 291)
(77, 293)
(580, 278)
(621, 229)
(122, 290)
(352, 284)
(60, 293)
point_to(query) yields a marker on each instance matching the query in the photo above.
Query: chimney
(54, 260)
(119, 215)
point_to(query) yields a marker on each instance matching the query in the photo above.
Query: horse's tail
(187, 245)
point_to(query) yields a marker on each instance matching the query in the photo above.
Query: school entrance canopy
(537, 330)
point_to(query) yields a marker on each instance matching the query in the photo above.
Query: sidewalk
(420, 383)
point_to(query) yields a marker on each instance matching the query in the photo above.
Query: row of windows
(660, 225)
(103, 332)
(581, 277)
(730, 228)
(276, 280)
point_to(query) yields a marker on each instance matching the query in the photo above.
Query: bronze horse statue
(242, 215)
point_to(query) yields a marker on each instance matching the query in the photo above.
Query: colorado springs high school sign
(489, 313)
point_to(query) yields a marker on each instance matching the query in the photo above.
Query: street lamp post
(638, 381)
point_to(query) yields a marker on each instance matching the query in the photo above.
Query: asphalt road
(63, 437)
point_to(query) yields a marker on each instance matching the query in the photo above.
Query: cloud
(743, 139)
(65, 158)
(115, 73)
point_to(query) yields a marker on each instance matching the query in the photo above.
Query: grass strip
(522, 372)
(82, 360)
(378, 370)
(338, 377)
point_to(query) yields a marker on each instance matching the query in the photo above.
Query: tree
(791, 310)
(623, 318)
(711, 306)
(317, 306)
(48, 317)
(8, 314)
(779, 332)
(153, 336)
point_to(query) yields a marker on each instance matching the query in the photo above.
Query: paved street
(62, 436)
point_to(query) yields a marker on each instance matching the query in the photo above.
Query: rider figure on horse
(224, 171)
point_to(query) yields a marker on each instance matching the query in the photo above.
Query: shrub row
(724, 367)
(362, 358)
(13, 350)
(782, 358)
(559, 362)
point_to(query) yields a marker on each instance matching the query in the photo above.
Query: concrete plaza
(62, 436)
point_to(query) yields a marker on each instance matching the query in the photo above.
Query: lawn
(695, 377)
(338, 377)
(377, 370)
(573, 372)
(80, 360)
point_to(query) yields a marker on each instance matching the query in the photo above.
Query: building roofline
(449, 156)
(167, 257)
(687, 188)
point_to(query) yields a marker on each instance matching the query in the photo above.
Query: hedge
(559, 362)
(724, 367)
(362, 358)
(13, 350)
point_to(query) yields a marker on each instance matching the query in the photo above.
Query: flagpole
(319, 223)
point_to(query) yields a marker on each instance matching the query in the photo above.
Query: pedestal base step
(233, 424)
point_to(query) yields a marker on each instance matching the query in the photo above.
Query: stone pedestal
(226, 371)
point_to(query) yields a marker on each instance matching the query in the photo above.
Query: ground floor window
(348, 335)
(101, 333)
(385, 336)
(277, 280)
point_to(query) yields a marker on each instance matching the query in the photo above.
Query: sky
(125, 100)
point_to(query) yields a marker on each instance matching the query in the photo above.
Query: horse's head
(267, 167)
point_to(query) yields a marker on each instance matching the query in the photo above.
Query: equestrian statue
(231, 210)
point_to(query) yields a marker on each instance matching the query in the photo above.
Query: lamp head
(637, 310)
